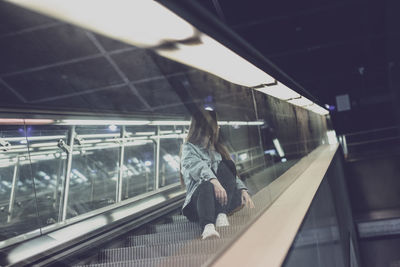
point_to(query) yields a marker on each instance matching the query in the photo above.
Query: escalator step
(162, 238)
(180, 226)
(172, 237)
(161, 250)
(178, 218)
(174, 227)
(173, 261)
(182, 218)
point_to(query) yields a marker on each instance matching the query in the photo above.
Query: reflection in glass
(18, 211)
(169, 161)
(139, 169)
(48, 167)
(94, 169)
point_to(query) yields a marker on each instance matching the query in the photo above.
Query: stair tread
(160, 250)
(171, 261)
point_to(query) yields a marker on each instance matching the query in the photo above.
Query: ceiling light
(279, 90)
(211, 56)
(25, 121)
(301, 101)
(278, 147)
(143, 23)
(160, 123)
(101, 122)
(317, 109)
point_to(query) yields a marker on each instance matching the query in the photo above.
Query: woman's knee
(206, 187)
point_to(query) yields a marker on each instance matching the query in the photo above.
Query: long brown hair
(205, 124)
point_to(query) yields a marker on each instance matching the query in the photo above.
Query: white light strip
(35, 138)
(279, 90)
(317, 109)
(301, 101)
(211, 56)
(161, 123)
(7, 121)
(235, 123)
(141, 23)
(101, 122)
(278, 147)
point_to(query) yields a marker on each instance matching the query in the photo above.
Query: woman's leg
(204, 200)
(228, 181)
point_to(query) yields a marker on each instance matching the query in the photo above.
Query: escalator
(172, 242)
(169, 240)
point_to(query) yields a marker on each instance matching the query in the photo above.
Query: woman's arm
(246, 199)
(193, 165)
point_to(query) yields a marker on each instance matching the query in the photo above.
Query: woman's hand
(220, 192)
(246, 199)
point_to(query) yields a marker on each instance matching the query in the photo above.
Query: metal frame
(62, 199)
(82, 217)
(118, 196)
(67, 178)
(157, 176)
(13, 189)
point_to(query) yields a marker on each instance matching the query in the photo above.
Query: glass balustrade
(50, 174)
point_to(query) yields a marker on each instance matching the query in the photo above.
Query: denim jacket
(197, 164)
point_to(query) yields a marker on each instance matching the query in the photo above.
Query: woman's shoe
(209, 232)
(222, 220)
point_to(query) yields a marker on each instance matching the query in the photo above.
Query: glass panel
(139, 168)
(18, 210)
(169, 160)
(48, 163)
(94, 169)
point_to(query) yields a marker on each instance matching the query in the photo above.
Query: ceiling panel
(64, 80)
(15, 19)
(7, 97)
(137, 64)
(157, 92)
(120, 99)
(42, 47)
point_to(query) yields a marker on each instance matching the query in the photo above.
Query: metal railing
(364, 143)
(65, 186)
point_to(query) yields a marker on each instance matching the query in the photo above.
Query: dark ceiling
(330, 47)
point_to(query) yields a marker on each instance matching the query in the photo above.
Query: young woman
(213, 188)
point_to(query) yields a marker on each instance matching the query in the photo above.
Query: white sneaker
(222, 220)
(209, 231)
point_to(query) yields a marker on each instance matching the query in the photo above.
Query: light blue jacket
(197, 164)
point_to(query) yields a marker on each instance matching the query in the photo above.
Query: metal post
(61, 168)
(157, 176)
(163, 175)
(13, 189)
(251, 157)
(67, 177)
(345, 151)
(121, 165)
(92, 182)
(258, 126)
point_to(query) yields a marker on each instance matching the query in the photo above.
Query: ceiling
(330, 47)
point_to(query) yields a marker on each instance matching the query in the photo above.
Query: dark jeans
(204, 207)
